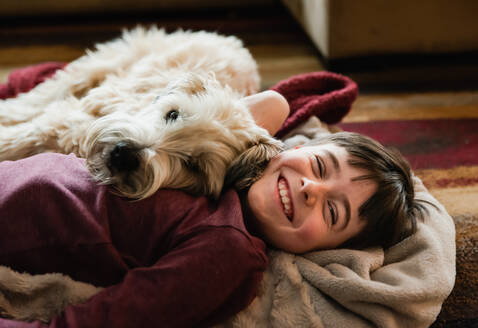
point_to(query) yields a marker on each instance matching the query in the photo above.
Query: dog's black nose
(124, 158)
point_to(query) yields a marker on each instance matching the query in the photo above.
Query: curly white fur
(172, 101)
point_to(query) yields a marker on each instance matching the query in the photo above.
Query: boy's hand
(269, 109)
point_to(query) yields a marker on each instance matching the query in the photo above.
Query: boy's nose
(312, 190)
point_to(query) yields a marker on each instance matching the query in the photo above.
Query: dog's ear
(193, 84)
(208, 172)
(249, 165)
(188, 83)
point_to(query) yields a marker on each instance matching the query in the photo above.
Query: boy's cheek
(312, 233)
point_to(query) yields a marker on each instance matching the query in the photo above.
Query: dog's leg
(53, 131)
(27, 106)
(21, 140)
(30, 105)
(13, 111)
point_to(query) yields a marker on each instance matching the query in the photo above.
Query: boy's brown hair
(392, 211)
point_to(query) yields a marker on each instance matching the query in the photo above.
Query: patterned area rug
(444, 154)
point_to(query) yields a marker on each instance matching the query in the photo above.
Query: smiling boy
(309, 198)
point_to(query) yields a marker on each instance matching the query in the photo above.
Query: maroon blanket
(25, 79)
(327, 95)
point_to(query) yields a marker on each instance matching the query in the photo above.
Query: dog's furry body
(148, 110)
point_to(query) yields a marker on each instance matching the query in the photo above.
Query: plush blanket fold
(403, 286)
(39, 297)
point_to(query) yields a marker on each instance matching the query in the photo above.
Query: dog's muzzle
(123, 158)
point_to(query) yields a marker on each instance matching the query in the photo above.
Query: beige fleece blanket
(28, 297)
(404, 286)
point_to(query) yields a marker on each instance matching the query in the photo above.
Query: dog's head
(194, 134)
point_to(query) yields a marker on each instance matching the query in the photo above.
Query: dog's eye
(172, 115)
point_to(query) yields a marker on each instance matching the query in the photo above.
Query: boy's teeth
(284, 198)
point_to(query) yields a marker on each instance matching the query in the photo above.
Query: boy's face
(305, 196)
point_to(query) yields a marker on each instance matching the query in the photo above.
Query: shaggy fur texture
(148, 110)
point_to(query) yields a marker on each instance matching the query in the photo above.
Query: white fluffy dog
(149, 110)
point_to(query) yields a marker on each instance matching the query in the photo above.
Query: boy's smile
(285, 198)
(309, 198)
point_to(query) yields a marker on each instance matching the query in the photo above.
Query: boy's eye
(333, 213)
(320, 166)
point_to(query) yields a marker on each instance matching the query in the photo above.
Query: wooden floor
(277, 43)
(439, 86)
